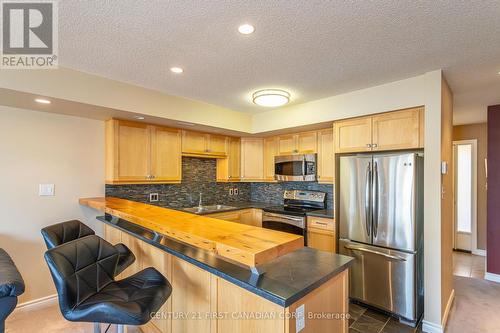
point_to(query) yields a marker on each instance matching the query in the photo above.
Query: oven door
(295, 167)
(286, 223)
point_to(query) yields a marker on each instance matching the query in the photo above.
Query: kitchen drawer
(321, 223)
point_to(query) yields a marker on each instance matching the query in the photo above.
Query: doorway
(465, 195)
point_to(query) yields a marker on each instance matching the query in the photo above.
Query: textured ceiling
(313, 49)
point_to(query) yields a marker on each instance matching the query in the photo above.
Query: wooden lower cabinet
(249, 216)
(204, 303)
(321, 234)
(191, 298)
(238, 302)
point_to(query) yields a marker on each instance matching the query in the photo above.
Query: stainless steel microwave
(295, 168)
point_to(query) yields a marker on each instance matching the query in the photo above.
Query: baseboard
(492, 277)
(448, 308)
(431, 327)
(44, 301)
(436, 328)
(479, 252)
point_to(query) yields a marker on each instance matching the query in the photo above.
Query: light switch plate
(231, 191)
(46, 190)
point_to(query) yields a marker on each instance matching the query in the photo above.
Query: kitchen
(248, 158)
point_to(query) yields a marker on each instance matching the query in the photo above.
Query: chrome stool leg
(97, 328)
(120, 328)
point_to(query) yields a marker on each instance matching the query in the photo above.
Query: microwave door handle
(304, 164)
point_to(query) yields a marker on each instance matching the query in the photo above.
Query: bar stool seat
(84, 273)
(60, 233)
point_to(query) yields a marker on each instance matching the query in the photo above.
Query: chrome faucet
(200, 203)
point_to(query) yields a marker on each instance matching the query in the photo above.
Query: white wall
(38, 147)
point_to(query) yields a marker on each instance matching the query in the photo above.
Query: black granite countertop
(326, 213)
(285, 280)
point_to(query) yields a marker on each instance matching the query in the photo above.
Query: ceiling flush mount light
(271, 97)
(176, 70)
(139, 117)
(246, 29)
(42, 101)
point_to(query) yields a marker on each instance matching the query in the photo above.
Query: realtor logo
(29, 34)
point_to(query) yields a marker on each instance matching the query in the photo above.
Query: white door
(464, 161)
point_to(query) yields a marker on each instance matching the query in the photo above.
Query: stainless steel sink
(207, 209)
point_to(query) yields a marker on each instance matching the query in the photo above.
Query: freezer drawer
(383, 278)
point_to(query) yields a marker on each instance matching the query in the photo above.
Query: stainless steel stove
(291, 216)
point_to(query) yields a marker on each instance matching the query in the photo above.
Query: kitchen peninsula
(209, 263)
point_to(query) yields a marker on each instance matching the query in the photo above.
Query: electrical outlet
(153, 197)
(236, 191)
(231, 191)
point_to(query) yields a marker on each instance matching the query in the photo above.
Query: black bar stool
(11, 286)
(60, 233)
(84, 273)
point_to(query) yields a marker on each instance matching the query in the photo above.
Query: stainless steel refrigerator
(380, 212)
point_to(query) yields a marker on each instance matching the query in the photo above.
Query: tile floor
(468, 265)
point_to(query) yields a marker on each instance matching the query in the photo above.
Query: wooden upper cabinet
(307, 142)
(397, 130)
(287, 144)
(166, 160)
(141, 153)
(252, 159)
(203, 144)
(326, 161)
(194, 143)
(353, 135)
(270, 151)
(217, 144)
(301, 143)
(229, 169)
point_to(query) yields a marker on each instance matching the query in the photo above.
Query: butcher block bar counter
(210, 262)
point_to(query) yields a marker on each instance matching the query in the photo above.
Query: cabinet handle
(321, 223)
(374, 145)
(148, 177)
(153, 177)
(368, 145)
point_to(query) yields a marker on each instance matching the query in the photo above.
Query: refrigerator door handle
(362, 249)
(375, 198)
(367, 199)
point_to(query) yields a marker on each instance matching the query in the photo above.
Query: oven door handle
(295, 221)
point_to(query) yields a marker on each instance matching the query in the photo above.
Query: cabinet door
(396, 130)
(287, 144)
(322, 240)
(234, 159)
(166, 160)
(235, 300)
(191, 295)
(354, 135)
(270, 151)
(252, 159)
(217, 145)
(162, 261)
(112, 235)
(307, 142)
(234, 216)
(132, 149)
(134, 244)
(326, 161)
(194, 143)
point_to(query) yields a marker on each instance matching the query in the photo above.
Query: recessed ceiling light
(176, 70)
(271, 97)
(42, 101)
(246, 29)
(139, 117)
